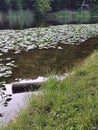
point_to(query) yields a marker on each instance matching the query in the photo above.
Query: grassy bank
(68, 105)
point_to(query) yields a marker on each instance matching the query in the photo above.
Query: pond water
(41, 62)
(38, 62)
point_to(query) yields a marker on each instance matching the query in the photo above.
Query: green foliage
(94, 13)
(15, 4)
(42, 6)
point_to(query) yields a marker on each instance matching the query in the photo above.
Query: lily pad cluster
(47, 37)
(6, 66)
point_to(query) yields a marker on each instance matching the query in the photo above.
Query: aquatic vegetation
(6, 68)
(49, 37)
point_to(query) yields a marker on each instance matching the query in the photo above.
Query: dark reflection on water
(38, 62)
(15, 97)
(11, 104)
(28, 21)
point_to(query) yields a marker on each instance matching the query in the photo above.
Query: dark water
(46, 23)
(41, 62)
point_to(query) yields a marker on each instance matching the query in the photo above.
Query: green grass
(71, 104)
